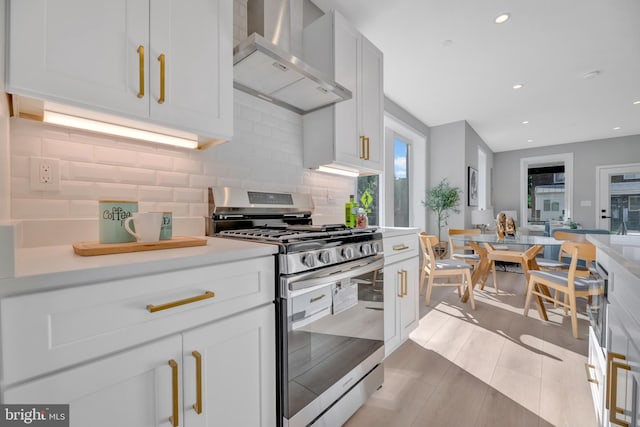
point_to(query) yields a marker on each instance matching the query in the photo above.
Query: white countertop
(625, 250)
(50, 267)
(397, 231)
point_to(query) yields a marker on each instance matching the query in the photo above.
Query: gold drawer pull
(401, 247)
(161, 58)
(153, 308)
(589, 379)
(610, 356)
(141, 70)
(366, 157)
(317, 298)
(174, 393)
(405, 282)
(198, 405)
(401, 284)
(614, 411)
(362, 149)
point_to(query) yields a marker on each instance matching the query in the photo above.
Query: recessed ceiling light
(502, 18)
(617, 128)
(518, 86)
(529, 140)
(526, 122)
(592, 74)
(447, 43)
(636, 102)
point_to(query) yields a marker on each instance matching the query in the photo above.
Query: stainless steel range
(329, 302)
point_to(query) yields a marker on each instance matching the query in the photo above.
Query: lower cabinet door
(231, 365)
(133, 388)
(409, 315)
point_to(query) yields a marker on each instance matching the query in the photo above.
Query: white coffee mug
(147, 226)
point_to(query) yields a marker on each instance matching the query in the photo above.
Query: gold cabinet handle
(317, 298)
(400, 284)
(173, 419)
(161, 59)
(141, 69)
(405, 282)
(401, 247)
(614, 411)
(362, 149)
(153, 308)
(366, 157)
(587, 366)
(198, 405)
(610, 357)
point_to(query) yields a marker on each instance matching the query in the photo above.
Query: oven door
(331, 335)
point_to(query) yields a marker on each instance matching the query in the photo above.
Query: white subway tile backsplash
(39, 208)
(155, 161)
(84, 209)
(90, 172)
(113, 191)
(136, 176)
(172, 179)
(189, 195)
(188, 165)
(115, 156)
(25, 144)
(155, 194)
(76, 190)
(67, 150)
(20, 166)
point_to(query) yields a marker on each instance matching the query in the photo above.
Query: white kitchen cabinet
(235, 379)
(109, 57)
(105, 348)
(595, 370)
(401, 308)
(349, 134)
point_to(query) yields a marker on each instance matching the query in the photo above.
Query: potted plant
(443, 199)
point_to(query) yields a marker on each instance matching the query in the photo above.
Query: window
(546, 188)
(400, 183)
(368, 197)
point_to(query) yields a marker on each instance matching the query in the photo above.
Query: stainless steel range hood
(265, 64)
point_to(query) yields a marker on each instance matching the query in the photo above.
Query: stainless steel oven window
(333, 324)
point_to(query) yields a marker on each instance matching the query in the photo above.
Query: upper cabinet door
(193, 41)
(82, 52)
(166, 62)
(346, 135)
(371, 100)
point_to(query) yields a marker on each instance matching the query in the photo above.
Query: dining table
(520, 248)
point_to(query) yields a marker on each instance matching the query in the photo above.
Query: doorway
(618, 198)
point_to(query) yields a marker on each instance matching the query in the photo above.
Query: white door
(237, 371)
(130, 389)
(192, 40)
(84, 51)
(618, 207)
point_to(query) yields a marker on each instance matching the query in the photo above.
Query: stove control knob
(365, 249)
(375, 248)
(308, 260)
(324, 257)
(347, 253)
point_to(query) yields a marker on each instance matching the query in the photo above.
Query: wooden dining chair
(449, 268)
(466, 253)
(566, 282)
(565, 235)
(564, 258)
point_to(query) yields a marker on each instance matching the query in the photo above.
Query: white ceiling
(547, 45)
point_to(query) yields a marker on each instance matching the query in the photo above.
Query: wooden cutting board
(96, 248)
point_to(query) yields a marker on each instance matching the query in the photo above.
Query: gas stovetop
(296, 233)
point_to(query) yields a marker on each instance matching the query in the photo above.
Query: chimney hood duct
(264, 64)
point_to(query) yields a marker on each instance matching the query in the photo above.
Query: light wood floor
(485, 367)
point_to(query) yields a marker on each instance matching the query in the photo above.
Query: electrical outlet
(45, 174)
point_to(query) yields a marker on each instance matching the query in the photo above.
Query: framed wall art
(472, 186)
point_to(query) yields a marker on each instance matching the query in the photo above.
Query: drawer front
(400, 247)
(50, 330)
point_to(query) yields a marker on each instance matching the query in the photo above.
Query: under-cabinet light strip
(336, 171)
(113, 129)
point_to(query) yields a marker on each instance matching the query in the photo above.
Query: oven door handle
(305, 284)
